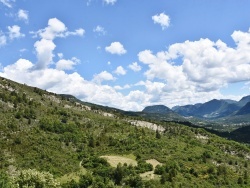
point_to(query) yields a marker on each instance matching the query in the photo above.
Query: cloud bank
(188, 72)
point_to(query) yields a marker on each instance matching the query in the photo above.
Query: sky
(129, 54)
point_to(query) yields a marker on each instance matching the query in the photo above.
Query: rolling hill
(51, 140)
(157, 109)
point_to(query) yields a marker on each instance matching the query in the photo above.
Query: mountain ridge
(213, 109)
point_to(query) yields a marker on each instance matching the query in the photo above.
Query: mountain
(215, 109)
(244, 110)
(241, 134)
(160, 113)
(210, 110)
(187, 110)
(159, 109)
(244, 101)
(52, 140)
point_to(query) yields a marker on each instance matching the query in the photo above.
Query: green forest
(48, 140)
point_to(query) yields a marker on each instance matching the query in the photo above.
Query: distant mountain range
(219, 111)
(215, 108)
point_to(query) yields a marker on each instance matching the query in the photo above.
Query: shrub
(33, 178)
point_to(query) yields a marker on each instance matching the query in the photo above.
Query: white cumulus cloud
(116, 48)
(161, 19)
(14, 32)
(120, 71)
(100, 30)
(135, 67)
(103, 76)
(64, 64)
(117, 87)
(206, 67)
(77, 32)
(44, 52)
(23, 15)
(41, 74)
(45, 46)
(57, 28)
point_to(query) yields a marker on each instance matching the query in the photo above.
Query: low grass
(149, 175)
(72, 176)
(114, 160)
(153, 162)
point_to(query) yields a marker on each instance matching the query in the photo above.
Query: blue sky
(129, 53)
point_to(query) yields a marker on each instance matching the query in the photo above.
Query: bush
(143, 167)
(34, 178)
(86, 180)
(134, 181)
(4, 181)
(159, 169)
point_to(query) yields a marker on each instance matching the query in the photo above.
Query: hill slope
(244, 101)
(51, 133)
(159, 109)
(244, 110)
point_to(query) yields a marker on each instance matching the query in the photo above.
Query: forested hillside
(47, 140)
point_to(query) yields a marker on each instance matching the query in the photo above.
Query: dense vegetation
(47, 140)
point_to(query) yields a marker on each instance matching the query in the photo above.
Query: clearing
(114, 160)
